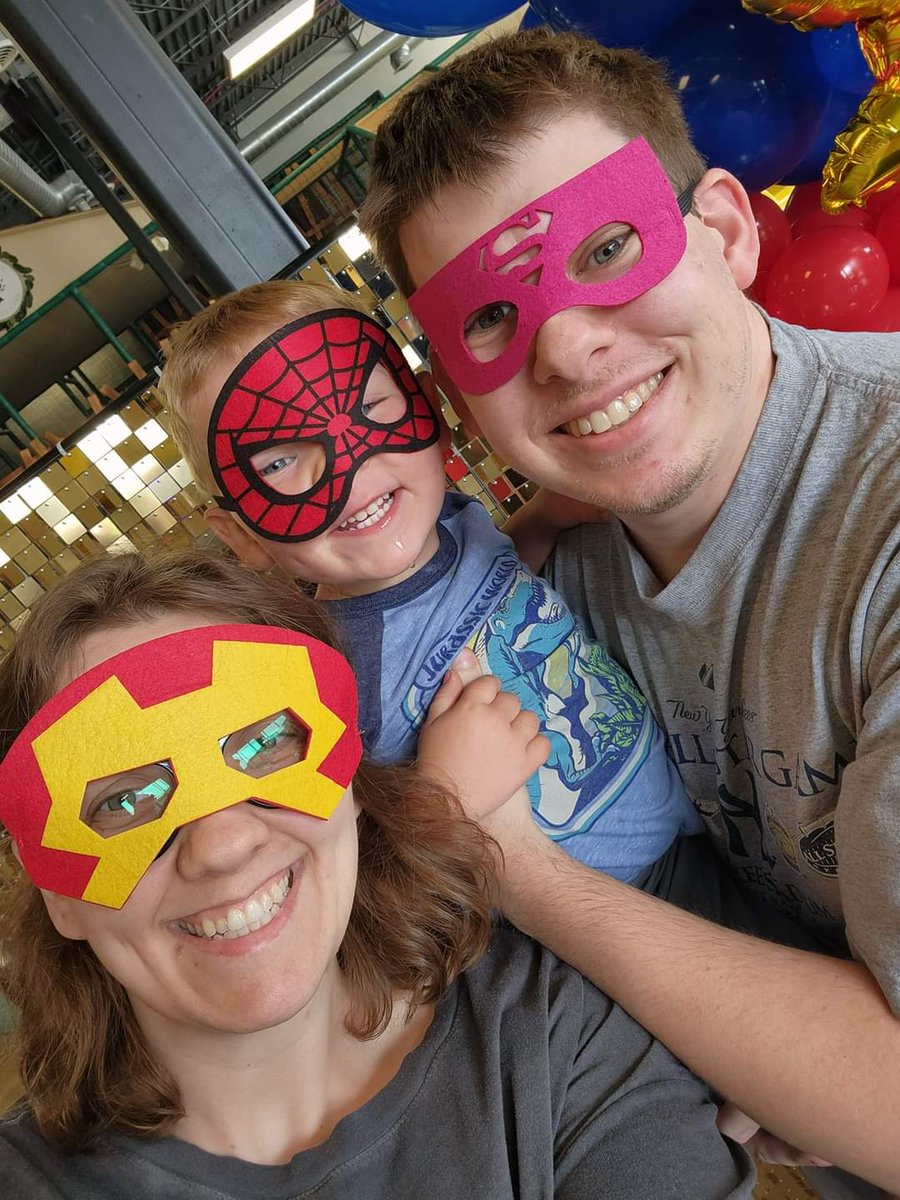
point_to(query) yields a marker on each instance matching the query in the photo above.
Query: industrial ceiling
(193, 34)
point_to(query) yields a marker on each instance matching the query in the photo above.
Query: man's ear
(64, 913)
(722, 204)
(453, 394)
(229, 530)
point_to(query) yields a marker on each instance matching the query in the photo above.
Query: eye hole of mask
(270, 744)
(116, 803)
(489, 330)
(290, 468)
(608, 253)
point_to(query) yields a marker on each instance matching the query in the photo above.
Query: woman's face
(237, 924)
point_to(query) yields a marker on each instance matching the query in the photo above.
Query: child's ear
(229, 530)
(453, 394)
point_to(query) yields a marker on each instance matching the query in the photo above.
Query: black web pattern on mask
(352, 356)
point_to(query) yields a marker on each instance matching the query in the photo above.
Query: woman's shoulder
(32, 1169)
(29, 1167)
(518, 977)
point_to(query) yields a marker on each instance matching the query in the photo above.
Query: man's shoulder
(862, 361)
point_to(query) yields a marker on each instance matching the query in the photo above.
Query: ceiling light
(241, 55)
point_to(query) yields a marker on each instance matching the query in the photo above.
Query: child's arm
(536, 526)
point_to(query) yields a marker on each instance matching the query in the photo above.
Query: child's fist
(480, 739)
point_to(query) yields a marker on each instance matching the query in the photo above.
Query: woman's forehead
(108, 641)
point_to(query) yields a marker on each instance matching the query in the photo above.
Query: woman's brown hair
(421, 914)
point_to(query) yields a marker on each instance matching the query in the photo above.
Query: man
(580, 276)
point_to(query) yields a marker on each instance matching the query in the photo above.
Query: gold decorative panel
(125, 485)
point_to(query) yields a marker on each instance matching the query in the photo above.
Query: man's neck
(667, 540)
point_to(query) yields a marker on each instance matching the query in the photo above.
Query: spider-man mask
(305, 383)
(99, 781)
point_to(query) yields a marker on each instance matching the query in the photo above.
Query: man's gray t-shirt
(772, 660)
(529, 1084)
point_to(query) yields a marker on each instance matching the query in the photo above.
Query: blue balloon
(531, 20)
(838, 56)
(838, 109)
(611, 23)
(437, 18)
(750, 89)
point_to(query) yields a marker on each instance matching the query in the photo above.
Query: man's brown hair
(421, 913)
(457, 127)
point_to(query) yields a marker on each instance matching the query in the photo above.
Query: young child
(325, 456)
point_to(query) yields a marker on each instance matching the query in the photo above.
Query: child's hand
(479, 739)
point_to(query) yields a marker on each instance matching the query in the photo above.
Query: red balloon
(878, 201)
(774, 238)
(886, 317)
(818, 219)
(888, 233)
(804, 199)
(832, 279)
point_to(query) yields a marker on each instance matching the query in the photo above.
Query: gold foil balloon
(866, 155)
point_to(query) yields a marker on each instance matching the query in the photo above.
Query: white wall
(59, 249)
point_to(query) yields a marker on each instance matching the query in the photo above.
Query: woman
(239, 976)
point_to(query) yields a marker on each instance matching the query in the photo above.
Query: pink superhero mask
(482, 309)
(305, 383)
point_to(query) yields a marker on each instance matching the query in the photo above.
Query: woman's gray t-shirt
(529, 1084)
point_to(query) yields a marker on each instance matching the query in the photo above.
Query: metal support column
(37, 108)
(14, 415)
(157, 135)
(104, 328)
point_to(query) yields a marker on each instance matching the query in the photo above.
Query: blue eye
(276, 465)
(608, 251)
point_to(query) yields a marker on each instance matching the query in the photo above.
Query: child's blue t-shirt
(609, 792)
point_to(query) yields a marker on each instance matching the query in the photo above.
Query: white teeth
(240, 920)
(618, 411)
(371, 515)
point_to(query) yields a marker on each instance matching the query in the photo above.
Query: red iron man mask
(306, 383)
(102, 777)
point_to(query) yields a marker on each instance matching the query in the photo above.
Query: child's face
(387, 529)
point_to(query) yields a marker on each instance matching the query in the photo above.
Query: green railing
(345, 134)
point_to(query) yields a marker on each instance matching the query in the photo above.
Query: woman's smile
(238, 920)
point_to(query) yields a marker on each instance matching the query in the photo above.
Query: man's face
(631, 406)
